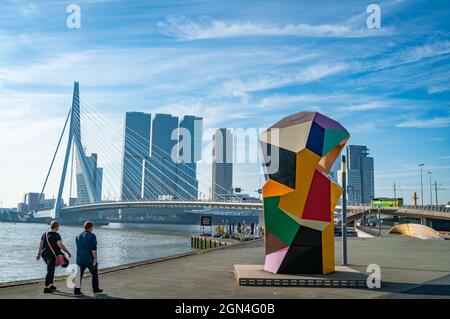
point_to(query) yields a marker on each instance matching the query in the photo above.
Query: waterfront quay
(410, 268)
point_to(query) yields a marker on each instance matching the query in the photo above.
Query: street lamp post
(395, 194)
(421, 183)
(379, 220)
(344, 211)
(435, 194)
(431, 191)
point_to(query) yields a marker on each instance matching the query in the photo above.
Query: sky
(238, 64)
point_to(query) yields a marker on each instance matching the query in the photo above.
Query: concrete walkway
(406, 263)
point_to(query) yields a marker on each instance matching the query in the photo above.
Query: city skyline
(240, 69)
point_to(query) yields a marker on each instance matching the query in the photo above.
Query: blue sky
(237, 64)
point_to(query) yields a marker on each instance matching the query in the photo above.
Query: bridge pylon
(74, 144)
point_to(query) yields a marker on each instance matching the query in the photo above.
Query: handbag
(59, 259)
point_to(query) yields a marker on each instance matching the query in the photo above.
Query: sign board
(205, 221)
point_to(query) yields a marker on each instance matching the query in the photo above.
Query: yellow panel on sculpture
(293, 203)
(328, 248)
(328, 235)
(328, 259)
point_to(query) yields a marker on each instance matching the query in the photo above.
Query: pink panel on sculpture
(274, 260)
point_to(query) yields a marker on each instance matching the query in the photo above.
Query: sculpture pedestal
(343, 277)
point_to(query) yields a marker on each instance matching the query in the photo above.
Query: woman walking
(51, 250)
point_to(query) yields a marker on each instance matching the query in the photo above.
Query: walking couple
(52, 249)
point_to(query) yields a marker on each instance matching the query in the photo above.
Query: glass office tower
(189, 153)
(222, 166)
(161, 168)
(136, 152)
(360, 175)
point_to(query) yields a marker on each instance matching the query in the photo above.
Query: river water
(117, 244)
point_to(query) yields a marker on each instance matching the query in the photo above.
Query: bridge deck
(443, 213)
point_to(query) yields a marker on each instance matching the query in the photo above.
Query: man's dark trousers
(94, 272)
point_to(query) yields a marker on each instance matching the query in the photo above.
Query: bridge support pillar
(57, 214)
(423, 221)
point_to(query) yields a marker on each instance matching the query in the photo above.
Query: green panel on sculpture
(332, 138)
(277, 222)
(316, 142)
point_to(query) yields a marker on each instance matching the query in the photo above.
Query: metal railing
(438, 209)
(429, 208)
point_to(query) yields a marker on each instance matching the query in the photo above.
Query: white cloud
(284, 100)
(29, 10)
(374, 105)
(309, 74)
(184, 28)
(427, 51)
(437, 122)
(439, 88)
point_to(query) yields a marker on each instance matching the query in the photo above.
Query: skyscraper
(360, 175)
(161, 169)
(189, 153)
(32, 201)
(222, 165)
(94, 178)
(136, 152)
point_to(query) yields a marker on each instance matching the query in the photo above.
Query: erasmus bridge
(80, 135)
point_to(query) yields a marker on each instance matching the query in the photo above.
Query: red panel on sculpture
(318, 202)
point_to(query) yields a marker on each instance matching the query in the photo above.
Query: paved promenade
(410, 268)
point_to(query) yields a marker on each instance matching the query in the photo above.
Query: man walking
(87, 257)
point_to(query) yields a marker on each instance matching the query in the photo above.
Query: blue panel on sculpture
(315, 139)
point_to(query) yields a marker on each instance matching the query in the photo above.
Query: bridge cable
(173, 164)
(153, 145)
(149, 161)
(54, 157)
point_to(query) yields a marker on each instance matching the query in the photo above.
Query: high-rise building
(136, 153)
(222, 165)
(190, 131)
(360, 175)
(161, 168)
(94, 178)
(32, 201)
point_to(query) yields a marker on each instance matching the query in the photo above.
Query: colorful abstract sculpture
(299, 196)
